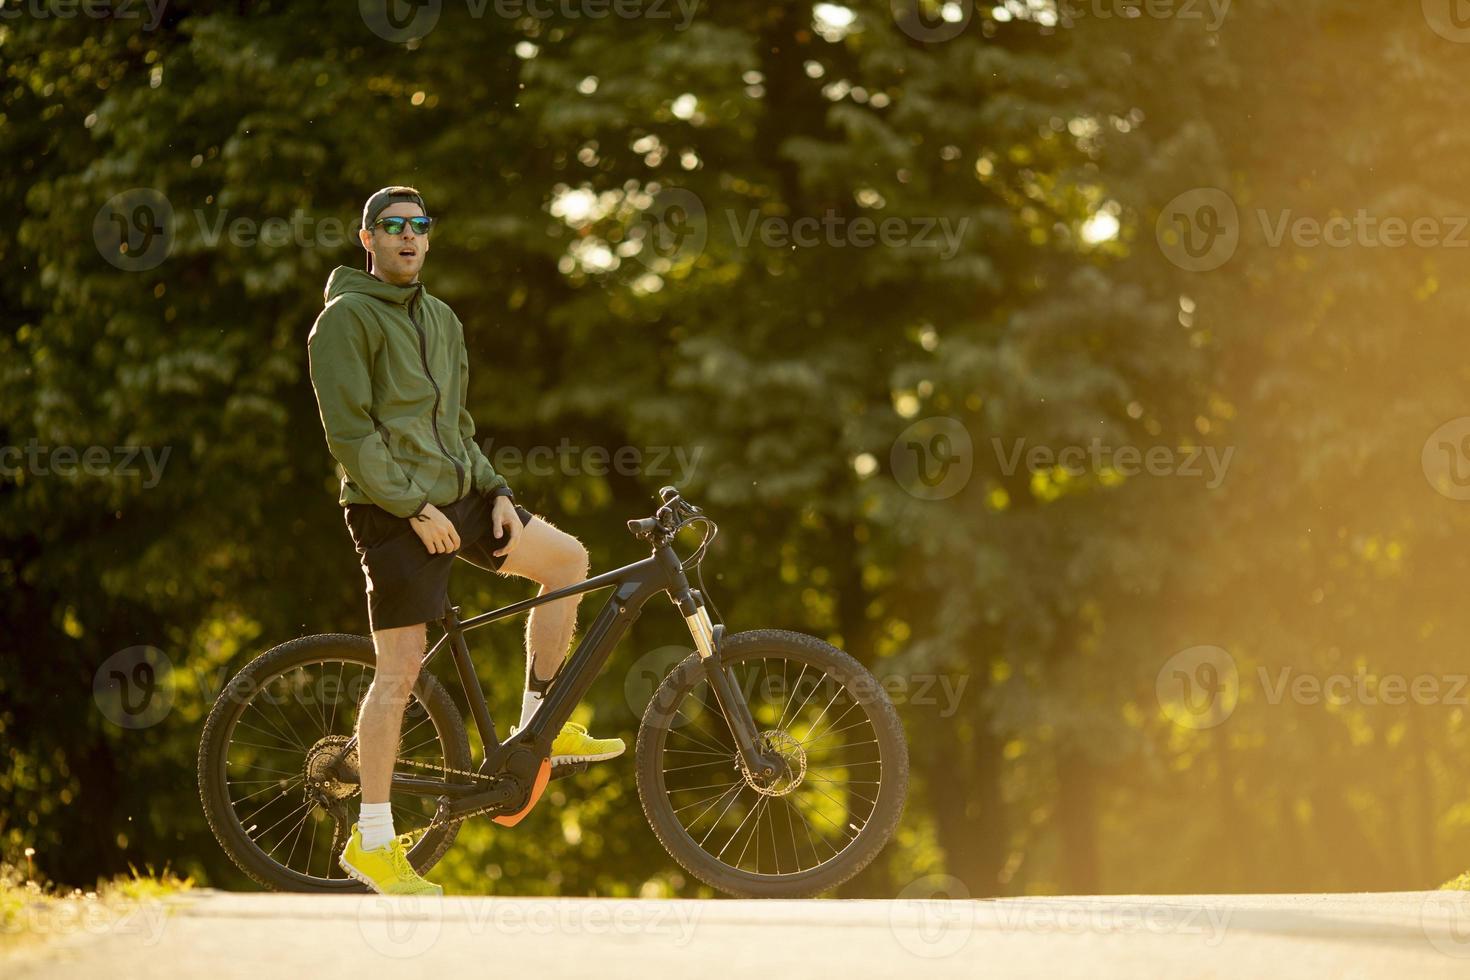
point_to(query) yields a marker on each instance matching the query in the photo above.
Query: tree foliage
(619, 200)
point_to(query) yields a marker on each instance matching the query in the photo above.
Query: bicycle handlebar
(674, 513)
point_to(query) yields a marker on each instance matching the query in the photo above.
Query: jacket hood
(344, 280)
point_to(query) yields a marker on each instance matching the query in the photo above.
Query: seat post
(450, 619)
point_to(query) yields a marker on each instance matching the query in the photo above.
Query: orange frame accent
(543, 776)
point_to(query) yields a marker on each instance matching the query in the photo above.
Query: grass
(32, 909)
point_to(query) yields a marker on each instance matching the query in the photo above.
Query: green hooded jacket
(390, 371)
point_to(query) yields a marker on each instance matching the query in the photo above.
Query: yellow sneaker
(575, 745)
(386, 870)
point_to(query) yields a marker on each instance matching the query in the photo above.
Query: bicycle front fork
(707, 637)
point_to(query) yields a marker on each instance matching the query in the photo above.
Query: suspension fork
(707, 641)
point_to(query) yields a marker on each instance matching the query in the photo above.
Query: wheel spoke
(813, 726)
(696, 765)
(781, 722)
(266, 789)
(676, 731)
(242, 723)
(321, 710)
(290, 740)
(829, 729)
(337, 697)
(739, 787)
(717, 797)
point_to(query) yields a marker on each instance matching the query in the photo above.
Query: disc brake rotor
(793, 757)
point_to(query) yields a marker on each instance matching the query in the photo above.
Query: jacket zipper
(424, 353)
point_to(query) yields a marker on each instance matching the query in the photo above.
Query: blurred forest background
(1052, 600)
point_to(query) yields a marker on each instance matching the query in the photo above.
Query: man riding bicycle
(391, 374)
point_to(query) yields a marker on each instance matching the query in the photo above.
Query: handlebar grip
(642, 527)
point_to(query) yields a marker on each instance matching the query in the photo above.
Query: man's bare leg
(379, 721)
(372, 855)
(554, 559)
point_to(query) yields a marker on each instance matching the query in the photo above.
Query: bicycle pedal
(567, 769)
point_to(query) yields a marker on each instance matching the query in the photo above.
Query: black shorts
(406, 585)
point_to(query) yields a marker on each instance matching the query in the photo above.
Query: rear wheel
(278, 785)
(812, 825)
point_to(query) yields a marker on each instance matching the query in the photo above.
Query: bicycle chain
(437, 823)
(473, 777)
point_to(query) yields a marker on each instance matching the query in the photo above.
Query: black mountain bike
(769, 763)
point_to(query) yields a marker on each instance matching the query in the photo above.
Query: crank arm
(504, 794)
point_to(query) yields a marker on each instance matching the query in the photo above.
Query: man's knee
(561, 559)
(549, 556)
(400, 652)
(574, 560)
(565, 562)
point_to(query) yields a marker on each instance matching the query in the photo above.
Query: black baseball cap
(380, 200)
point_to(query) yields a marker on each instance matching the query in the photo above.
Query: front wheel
(811, 826)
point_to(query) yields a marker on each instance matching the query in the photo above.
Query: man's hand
(435, 530)
(505, 521)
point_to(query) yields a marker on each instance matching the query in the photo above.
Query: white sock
(529, 704)
(375, 823)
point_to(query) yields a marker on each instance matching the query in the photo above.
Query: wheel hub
(791, 772)
(331, 769)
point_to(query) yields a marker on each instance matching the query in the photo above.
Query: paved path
(274, 937)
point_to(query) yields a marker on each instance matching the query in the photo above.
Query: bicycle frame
(633, 586)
